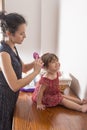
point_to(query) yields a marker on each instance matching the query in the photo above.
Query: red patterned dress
(52, 95)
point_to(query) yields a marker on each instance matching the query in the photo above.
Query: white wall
(31, 10)
(56, 27)
(73, 40)
(42, 18)
(0, 5)
(49, 23)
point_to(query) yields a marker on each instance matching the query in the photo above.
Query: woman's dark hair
(11, 21)
(47, 58)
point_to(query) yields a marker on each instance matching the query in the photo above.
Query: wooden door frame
(2, 5)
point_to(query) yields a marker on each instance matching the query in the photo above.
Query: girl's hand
(41, 107)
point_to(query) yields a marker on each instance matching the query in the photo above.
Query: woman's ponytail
(3, 24)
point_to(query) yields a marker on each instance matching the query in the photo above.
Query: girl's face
(54, 65)
(19, 35)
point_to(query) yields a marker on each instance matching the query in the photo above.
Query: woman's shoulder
(3, 47)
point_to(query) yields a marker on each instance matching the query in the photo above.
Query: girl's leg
(74, 106)
(74, 99)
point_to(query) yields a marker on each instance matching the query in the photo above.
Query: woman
(11, 67)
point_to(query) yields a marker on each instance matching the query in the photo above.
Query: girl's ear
(59, 64)
(8, 33)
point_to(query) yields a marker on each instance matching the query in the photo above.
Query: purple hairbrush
(36, 55)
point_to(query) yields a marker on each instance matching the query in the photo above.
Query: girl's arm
(10, 76)
(39, 98)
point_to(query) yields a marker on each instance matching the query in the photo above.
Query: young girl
(47, 92)
(11, 66)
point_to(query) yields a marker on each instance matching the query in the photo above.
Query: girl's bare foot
(84, 108)
(84, 101)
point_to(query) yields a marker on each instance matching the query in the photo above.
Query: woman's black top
(8, 97)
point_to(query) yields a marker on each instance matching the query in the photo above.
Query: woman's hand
(41, 107)
(38, 65)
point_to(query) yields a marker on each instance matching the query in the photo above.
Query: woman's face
(19, 35)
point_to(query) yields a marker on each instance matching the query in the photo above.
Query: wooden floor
(27, 117)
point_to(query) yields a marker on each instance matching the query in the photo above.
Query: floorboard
(27, 117)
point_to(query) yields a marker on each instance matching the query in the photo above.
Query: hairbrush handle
(36, 55)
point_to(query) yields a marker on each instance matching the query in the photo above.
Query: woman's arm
(10, 76)
(27, 67)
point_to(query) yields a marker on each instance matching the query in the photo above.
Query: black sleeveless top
(8, 97)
